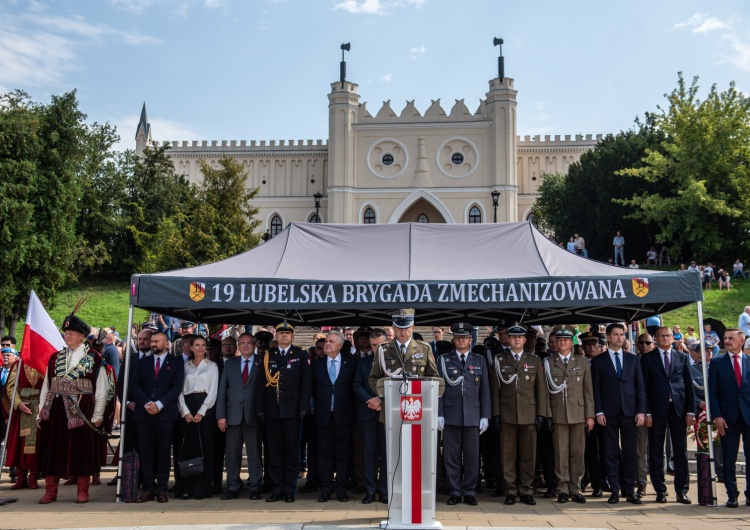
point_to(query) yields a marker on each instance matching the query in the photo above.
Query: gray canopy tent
(323, 274)
(316, 274)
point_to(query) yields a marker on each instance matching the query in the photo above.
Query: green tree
(586, 200)
(701, 167)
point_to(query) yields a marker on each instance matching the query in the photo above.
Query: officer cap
(186, 324)
(461, 329)
(362, 330)
(285, 326)
(10, 350)
(443, 346)
(517, 330)
(75, 323)
(564, 333)
(588, 338)
(491, 342)
(264, 336)
(213, 344)
(417, 336)
(403, 318)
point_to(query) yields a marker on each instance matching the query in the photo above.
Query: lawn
(721, 305)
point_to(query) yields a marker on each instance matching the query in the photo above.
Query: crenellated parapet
(245, 147)
(410, 116)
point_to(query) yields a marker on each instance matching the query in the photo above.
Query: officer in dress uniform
(459, 417)
(595, 473)
(403, 354)
(519, 402)
(288, 387)
(571, 398)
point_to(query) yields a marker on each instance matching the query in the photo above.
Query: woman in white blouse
(195, 431)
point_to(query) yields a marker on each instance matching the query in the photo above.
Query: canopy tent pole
(10, 415)
(123, 406)
(708, 406)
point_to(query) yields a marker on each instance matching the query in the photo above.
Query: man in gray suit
(463, 414)
(240, 407)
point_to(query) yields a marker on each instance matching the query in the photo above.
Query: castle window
(275, 225)
(475, 216)
(314, 218)
(369, 217)
(422, 218)
(457, 159)
(387, 159)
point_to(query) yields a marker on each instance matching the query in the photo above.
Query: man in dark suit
(372, 429)
(240, 410)
(130, 438)
(729, 403)
(333, 394)
(157, 384)
(288, 382)
(620, 404)
(669, 404)
(463, 414)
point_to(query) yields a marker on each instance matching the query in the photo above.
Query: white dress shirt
(201, 378)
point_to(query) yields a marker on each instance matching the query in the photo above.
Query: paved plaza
(102, 512)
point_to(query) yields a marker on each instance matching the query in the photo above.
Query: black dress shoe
(549, 493)
(254, 495)
(731, 503)
(453, 500)
(342, 497)
(273, 498)
(641, 492)
(510, 500)
(614, 498)
(471, 500)
(289, 498)
(499, 492)
(597, 493)
(580, 499)
(562, 498)
(661, 498)
(162, 497)
(368, 499)
(147, 496)
(229, 495)
(324, 497)
(528, 499)
(683, 499)
(633, 499)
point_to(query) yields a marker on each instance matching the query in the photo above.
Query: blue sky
(261, 70)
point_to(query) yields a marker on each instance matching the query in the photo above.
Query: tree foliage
(586, 200)
(702, 167)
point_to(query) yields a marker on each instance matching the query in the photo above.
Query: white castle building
(436, 167)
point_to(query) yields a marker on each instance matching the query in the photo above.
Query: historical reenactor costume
(288, 388)
(520, 404)
(571, 399)
(463, 414)
(71, 409)
(22, 434)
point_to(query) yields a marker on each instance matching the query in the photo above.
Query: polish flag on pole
(40, 337)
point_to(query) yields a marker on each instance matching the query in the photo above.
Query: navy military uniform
(463, 413)
(288, 388)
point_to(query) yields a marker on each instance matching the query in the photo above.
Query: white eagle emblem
(411, 408)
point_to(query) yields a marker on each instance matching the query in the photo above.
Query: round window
(387, 159)
(457, 159)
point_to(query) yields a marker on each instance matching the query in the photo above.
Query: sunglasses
(645, 342)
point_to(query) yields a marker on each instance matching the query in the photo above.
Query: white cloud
(136, 7)
(701, 23)
(161, 130)
(32, 57)
(741, 56)
(734, 39)
(375, 7)
(416, 52)
(213, 4)
(78, 25)
(387, 78)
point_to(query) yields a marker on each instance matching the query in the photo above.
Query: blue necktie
(332, 375)
(618, 366)
(3, 377)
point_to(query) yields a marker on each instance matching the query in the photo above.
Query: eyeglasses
(645, 342)
(245, 343)
(6, 345)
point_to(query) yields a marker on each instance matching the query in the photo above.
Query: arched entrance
(421, 211)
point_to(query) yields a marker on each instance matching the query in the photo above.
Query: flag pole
(124, 405)
(10, 416)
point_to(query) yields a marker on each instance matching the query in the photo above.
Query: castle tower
(501, 109)
(142, 133)
(343, 102)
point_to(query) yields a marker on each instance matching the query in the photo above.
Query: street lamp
(317, 196)
(495, 196)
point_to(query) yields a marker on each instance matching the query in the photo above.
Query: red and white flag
(40, 337)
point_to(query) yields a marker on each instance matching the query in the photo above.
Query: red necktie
(156, 367)
(737, 372)
(245, 373)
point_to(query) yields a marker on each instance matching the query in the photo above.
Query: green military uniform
(519, 396)
(571, 398)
